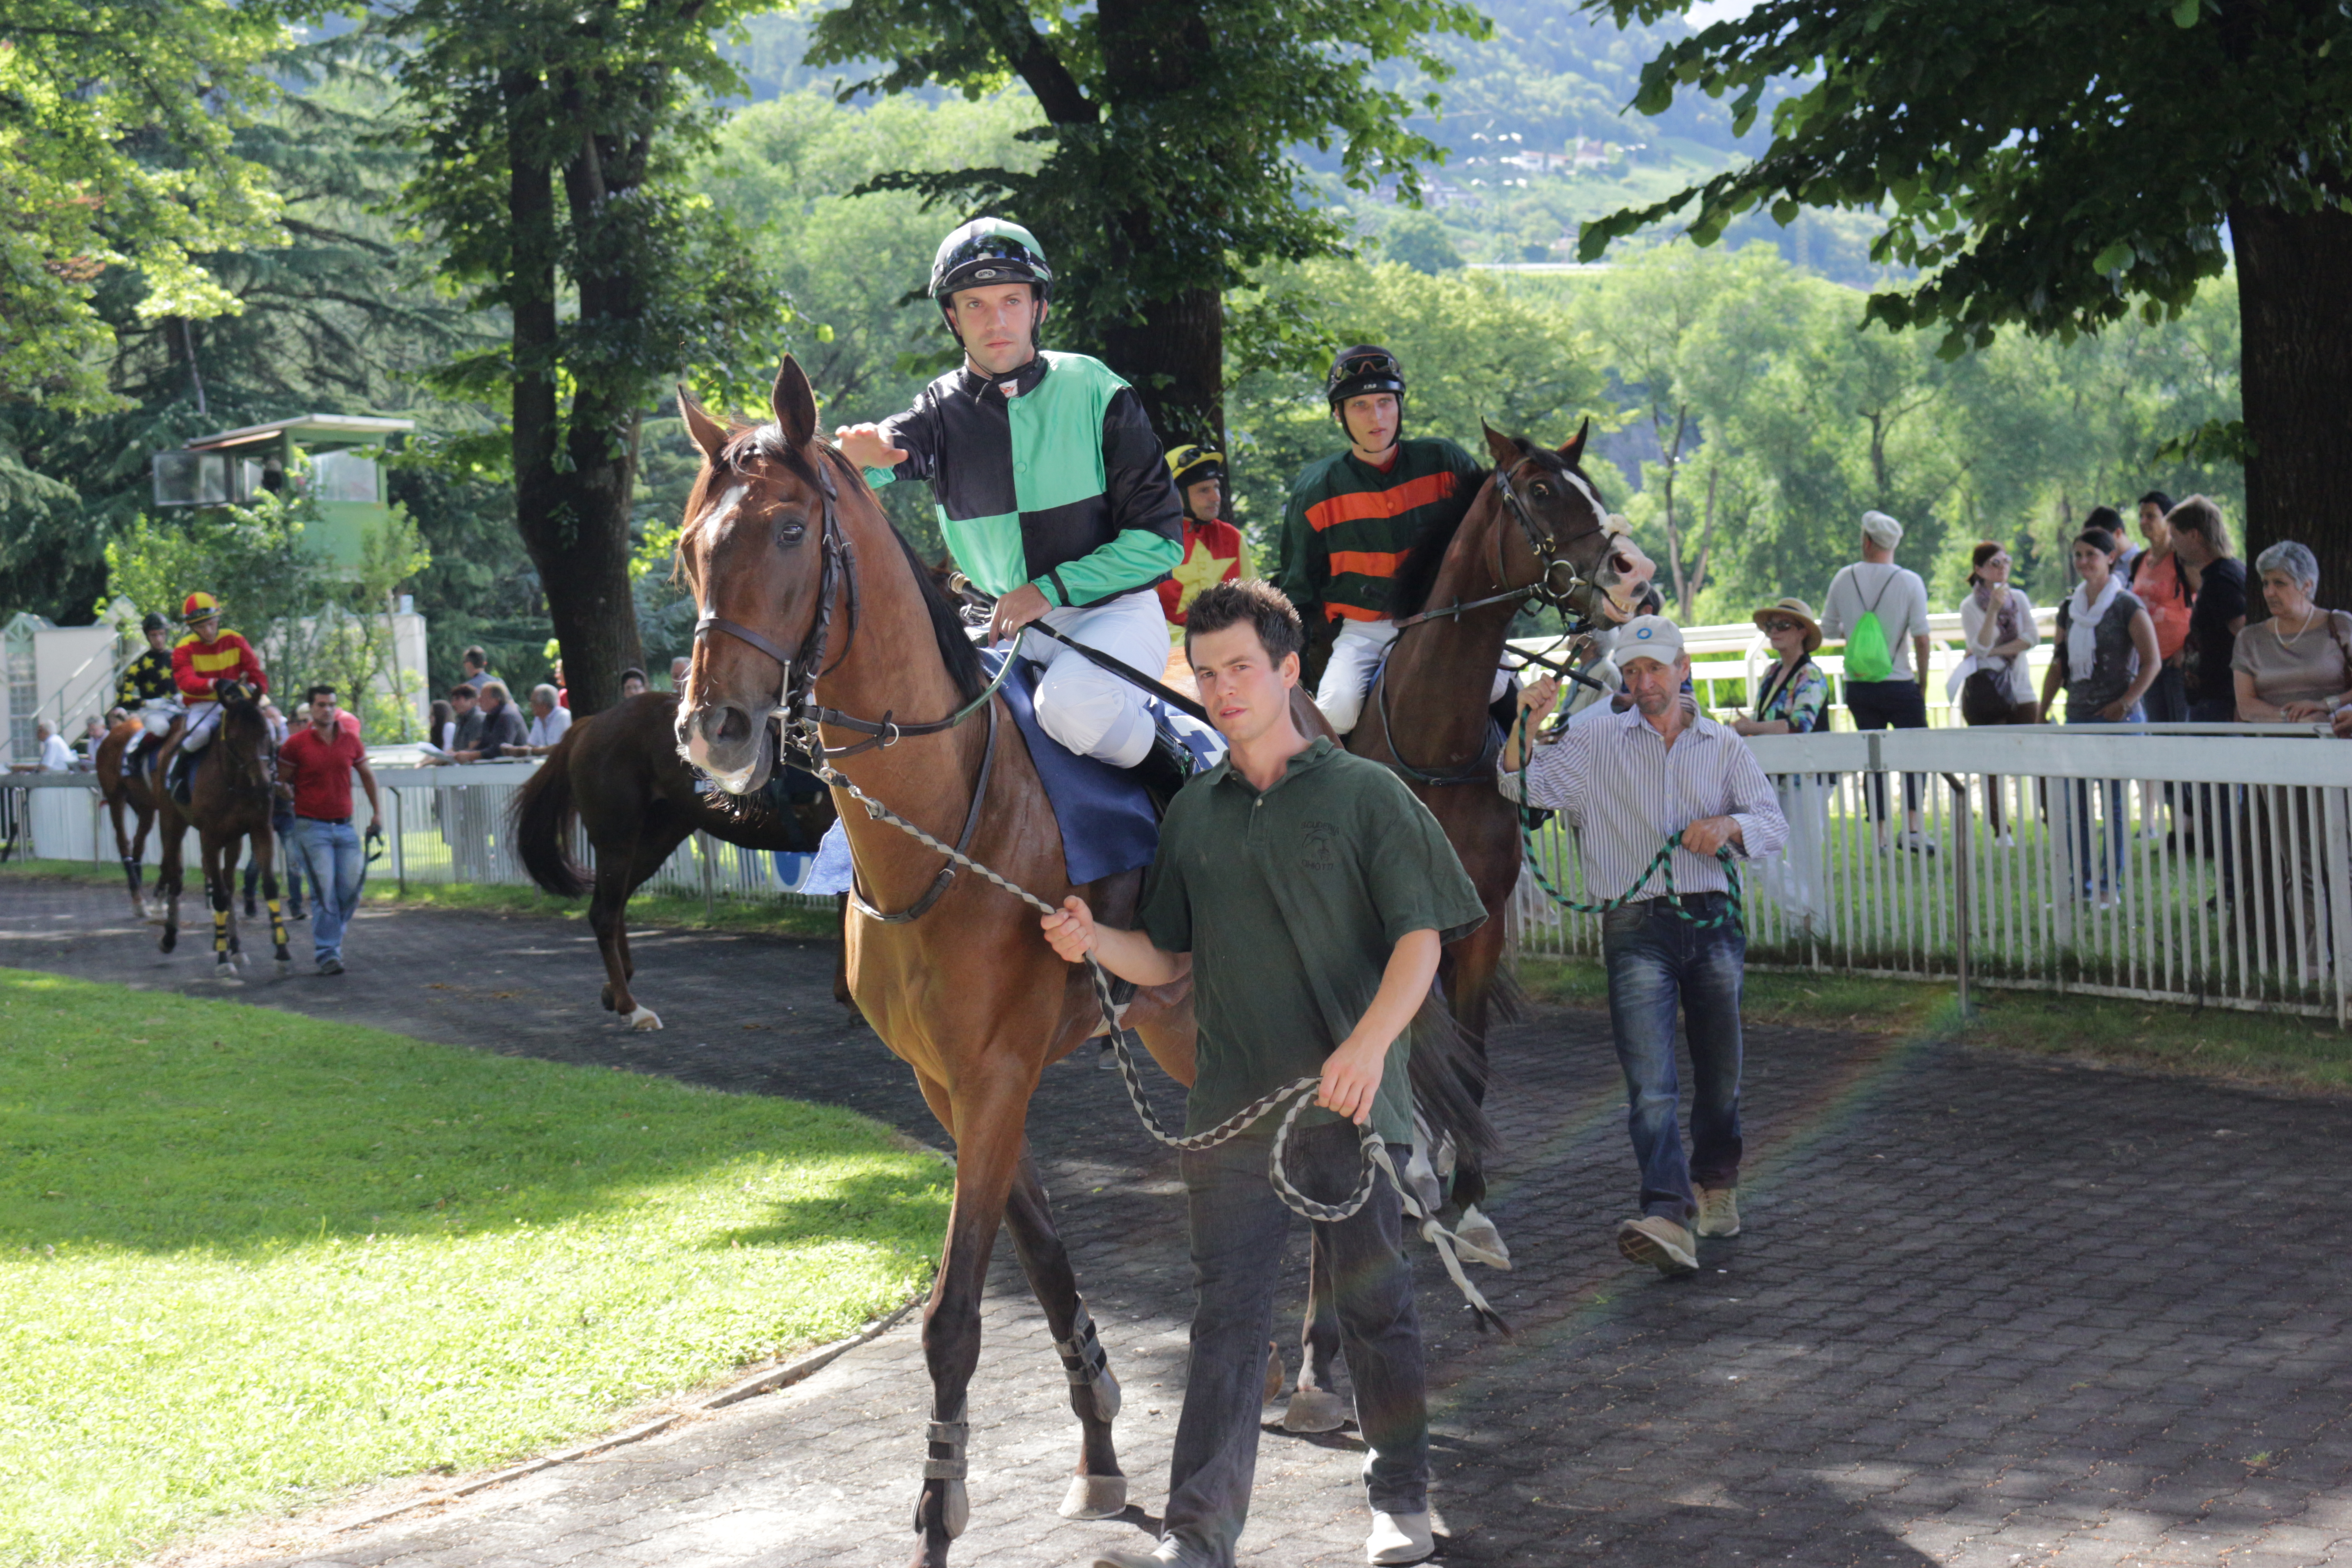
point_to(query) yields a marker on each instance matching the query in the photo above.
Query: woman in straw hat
(1793, 700)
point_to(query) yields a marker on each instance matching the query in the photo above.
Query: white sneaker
(1167, 1553)
(1660, 1243)
(1918, 843)
(1399, 1538)
(1718, 1211)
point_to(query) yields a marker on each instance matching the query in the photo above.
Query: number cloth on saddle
(1290, 903)
(1348, 526)
(1061, 488)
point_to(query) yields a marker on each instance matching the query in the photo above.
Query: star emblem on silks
(1199, 570)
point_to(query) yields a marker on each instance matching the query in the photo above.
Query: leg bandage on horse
(1086, 1365)
(1084, 707)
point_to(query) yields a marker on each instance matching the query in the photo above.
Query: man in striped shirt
(1628, 783)
(1354, 516)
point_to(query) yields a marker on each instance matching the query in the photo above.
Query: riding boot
(1164, 770)
(178, 781)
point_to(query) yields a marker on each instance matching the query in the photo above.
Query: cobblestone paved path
(1987, 1310)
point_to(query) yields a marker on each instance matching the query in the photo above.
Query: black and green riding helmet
(988, 251)
(1359, 370)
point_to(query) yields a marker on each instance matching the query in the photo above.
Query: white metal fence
(2165, 862)
(444, 825)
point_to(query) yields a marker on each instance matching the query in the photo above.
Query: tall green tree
(1173, 126)
(554, 141)
(118, 120)
(2059, 167)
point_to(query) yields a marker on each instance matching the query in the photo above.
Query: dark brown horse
(133, 792)
(813, 593)
(229, 805)
(619, 776)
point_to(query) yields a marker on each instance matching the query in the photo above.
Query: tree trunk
(2294, 298)
(573, 488)
(1176, 362)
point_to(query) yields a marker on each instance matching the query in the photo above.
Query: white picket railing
(2226, 856)
(2172, 863)
(442, 826)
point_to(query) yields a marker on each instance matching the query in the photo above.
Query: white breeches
(156, 716)
(203, 718)
(1355, 655)
(1084, 707)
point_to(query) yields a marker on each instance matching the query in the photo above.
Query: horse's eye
(1542, 492)
(790, 529)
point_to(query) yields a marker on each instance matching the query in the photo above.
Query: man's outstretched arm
(1129, 955)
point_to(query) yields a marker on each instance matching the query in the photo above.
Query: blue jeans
(2080, 810)
(1238, 1227)
(336, 862)
(1657, 962)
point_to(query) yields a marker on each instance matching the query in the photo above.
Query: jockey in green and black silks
(1049, 488)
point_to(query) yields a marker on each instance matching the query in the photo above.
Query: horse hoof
(227, 975)
(170, 939)
(1095, 1496)
(607, 998)
(285, 967)
(1315, 1410)
(1477, 1240)
(642, 1018)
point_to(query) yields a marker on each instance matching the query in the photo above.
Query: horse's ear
(794, 402)
(1506, 449)
(708, 432)
(1574, 451)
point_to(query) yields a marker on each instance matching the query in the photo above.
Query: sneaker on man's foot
(1660, 1243)
(1917, 843)
(1718, 1211)
(330, 966)
(1399, 1538)
(1169, 1554)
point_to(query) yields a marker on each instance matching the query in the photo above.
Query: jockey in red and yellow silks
(206, 655)
(1214, 550)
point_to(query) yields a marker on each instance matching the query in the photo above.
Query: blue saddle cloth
(1104, 812)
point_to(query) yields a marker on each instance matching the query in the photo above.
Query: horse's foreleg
(1470, 969)
(169, 875)
(122, 848)
(266, 847)
(146, 818)
(220, 888)
(1316, 1407)
(989, 1116)
(1098, 1490)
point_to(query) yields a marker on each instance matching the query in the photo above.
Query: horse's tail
(1449, 1079)
(542, 817)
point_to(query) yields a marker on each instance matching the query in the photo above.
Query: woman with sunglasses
(1993, 684)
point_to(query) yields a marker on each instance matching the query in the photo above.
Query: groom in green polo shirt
(1306, 892)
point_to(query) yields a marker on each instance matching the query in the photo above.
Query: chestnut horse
(229, 804)
(135, 790)
(821, 601)
(619, 774)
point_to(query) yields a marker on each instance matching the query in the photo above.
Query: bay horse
(618, 774)
(814, 608)
(229, 805)
(135, 792)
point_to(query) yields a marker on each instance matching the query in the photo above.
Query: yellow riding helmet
(1189, 465)
(200, 605)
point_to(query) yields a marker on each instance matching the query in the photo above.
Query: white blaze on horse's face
(694, 743)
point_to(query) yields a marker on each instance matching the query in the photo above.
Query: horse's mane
(745, 442)
(1409, 592)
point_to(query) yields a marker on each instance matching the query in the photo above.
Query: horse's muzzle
(727, 742)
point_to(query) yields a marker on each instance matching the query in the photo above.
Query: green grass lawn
(2274, 1048)
(247, 1258)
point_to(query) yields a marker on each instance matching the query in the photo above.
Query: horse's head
(754, 554)
(1556, 538)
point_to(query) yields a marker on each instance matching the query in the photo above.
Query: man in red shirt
(318, 761)
(1214, 550)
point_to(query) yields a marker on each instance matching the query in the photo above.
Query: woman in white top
(1993, 684)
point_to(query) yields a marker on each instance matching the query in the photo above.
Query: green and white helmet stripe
(990, 250)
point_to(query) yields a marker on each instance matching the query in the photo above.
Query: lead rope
(1662, 864)
(1300, 1091)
